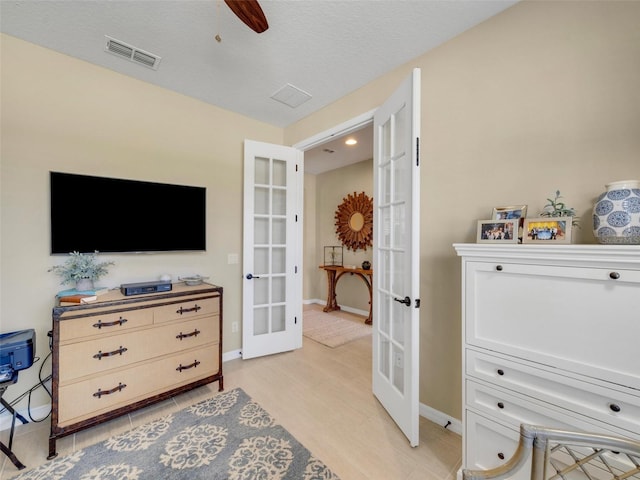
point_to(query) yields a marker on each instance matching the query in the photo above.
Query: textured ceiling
(325, 48)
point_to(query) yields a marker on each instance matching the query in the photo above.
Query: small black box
(145, 287)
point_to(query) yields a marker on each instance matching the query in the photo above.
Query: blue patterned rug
(226, 437)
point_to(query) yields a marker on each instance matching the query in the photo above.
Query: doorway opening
(332, 171)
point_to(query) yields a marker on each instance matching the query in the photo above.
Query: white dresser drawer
(595, 401)
(507, 407)
(489, 445)
(577, 319)
(492, 444)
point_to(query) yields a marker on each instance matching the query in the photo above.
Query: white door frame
(340, 130)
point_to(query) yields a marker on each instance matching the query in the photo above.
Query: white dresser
(551, 336)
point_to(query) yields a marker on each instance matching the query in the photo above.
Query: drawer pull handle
(186, 367)
(187, 310)
(118, 322)
(119, 351)
(614, 275)
(100, 392)
(615, 407)
(500, 405)
(501, 456)
(500, 372)
(186, 335)
(499, 268)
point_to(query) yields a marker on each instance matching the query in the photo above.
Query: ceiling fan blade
(250, 12)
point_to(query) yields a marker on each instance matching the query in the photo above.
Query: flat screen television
(91, 213)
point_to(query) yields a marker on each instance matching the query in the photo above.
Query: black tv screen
(116, 215)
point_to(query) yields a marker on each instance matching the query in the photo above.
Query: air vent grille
(291, 95)
(148, 60)
(131, 53)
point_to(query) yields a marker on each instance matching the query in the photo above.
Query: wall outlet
(233, 258)
(234, 327)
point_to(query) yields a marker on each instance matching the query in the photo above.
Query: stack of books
(77, 297)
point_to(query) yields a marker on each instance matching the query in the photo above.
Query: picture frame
(498, 231)
(547, 230)
(509, 213)
(333, 255)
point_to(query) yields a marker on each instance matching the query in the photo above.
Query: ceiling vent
(290, 95)
(133, 54)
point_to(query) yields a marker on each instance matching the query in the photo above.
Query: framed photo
(498, 231)
(509, 213)
(547, 230)
(333, 255)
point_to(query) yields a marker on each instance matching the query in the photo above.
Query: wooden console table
(334, 273)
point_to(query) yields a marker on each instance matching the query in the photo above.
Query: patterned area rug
(226, 437)
(331, 330)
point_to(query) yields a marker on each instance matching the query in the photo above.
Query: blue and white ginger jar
(616, 214)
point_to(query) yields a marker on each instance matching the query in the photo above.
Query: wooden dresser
(121, 353)
(551, 337)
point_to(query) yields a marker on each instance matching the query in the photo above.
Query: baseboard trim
(440, 418)
(37, 412)
(344, 308)
(232, 355)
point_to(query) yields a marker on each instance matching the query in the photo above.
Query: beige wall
(331, 189)
(59, 113)
(541, 97)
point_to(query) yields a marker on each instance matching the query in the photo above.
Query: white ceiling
(326, 48)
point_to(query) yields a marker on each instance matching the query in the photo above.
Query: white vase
(616, 214)
(84, 284)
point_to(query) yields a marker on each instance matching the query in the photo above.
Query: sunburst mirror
(354, 221)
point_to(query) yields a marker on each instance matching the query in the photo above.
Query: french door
(272, 251)
(396, 250)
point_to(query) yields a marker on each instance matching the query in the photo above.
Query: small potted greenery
(81, 270)
(557, 208)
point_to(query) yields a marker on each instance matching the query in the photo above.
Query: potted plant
(557, 208)
(81, 270)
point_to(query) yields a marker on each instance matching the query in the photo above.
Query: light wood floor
(320, 395)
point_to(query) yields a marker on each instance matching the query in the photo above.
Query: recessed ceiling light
(351, 141)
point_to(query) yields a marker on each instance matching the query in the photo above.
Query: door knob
(250, 276)
(406, 301)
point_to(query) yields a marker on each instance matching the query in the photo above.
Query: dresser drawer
(116, 351)
(576, 318)
(187, 309)
(85, 399)
(615, 407)
(517, 409)
(104, 324)
(490, 445)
